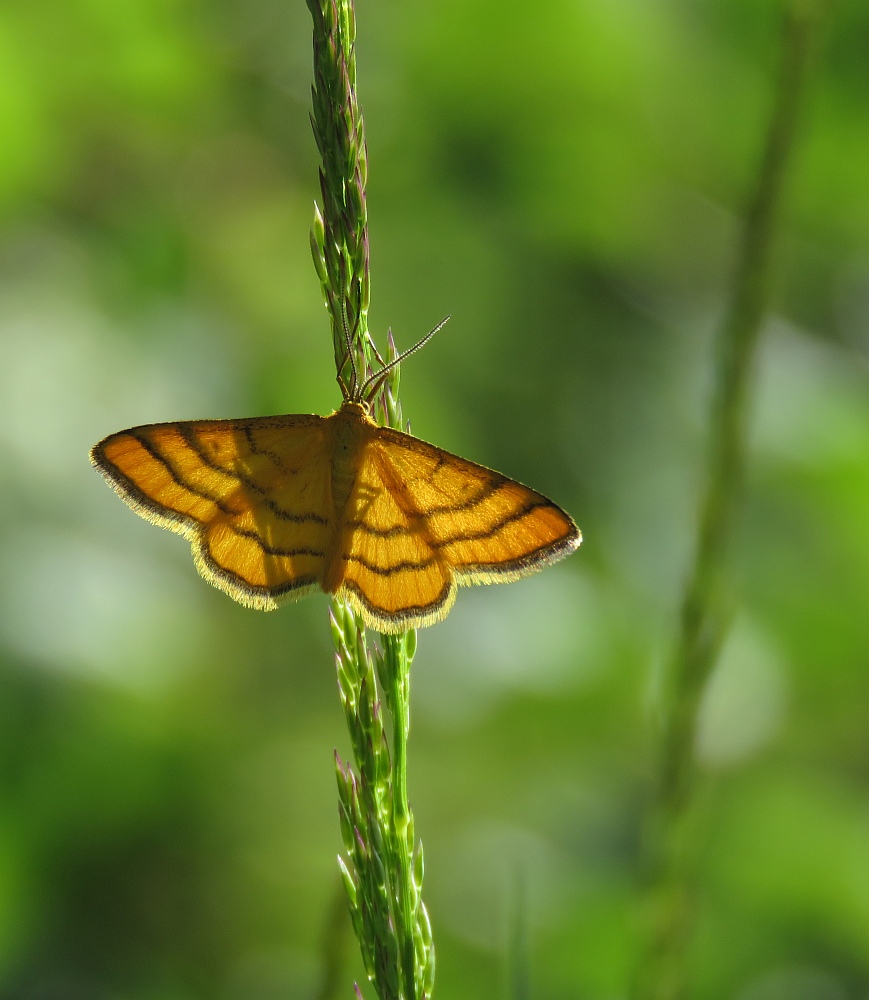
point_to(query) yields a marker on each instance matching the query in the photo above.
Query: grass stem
(382, 868)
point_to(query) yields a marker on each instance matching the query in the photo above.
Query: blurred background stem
(518, 959)
(706, 606)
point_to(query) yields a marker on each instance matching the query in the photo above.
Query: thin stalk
(704, 618)
(397, 686)
(518, 964)
(382, 867)
(705, 614)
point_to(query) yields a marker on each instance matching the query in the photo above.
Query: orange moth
(275, 507)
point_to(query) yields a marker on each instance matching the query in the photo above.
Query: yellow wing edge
(531, 562)
(402, 621)
(246, 594)
(421, 617)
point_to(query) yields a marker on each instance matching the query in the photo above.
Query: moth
(275, 507)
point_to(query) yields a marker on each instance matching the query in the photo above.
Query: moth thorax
(347, 456)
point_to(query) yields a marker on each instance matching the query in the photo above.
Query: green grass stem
(382, 867)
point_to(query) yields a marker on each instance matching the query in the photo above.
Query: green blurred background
(566, 179)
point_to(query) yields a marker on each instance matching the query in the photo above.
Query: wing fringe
(394, 623)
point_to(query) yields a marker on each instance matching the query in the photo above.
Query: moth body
(351, 427)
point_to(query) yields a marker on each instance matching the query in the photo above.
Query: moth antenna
(371, 386)
(375, 388)
(341, 362)
(348, 340)
(374, 350)
(354, 375)
(345, 357)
